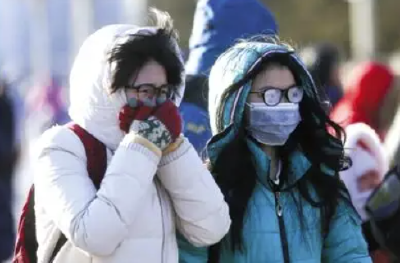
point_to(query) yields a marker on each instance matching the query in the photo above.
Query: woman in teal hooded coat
(276, 156)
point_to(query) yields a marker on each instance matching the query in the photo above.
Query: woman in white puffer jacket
(146, 194)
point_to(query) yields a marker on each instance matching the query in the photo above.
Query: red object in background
(380, 256)
(363, 98)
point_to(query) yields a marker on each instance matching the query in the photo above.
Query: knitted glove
(161, 126)
(128, 114)
(168, 114)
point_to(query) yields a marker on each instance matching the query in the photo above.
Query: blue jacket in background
(261, 232)
(217, 25)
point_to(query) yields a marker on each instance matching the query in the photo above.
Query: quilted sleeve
(345, 241)
(94, 221)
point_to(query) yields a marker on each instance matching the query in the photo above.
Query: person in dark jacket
(384, 225)
(8, 157)
(322, 60)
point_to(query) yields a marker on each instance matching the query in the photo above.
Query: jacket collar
(298, 165)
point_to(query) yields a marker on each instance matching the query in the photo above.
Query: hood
(218, 23)
(231, 67)
(91, 104)
(364, 96)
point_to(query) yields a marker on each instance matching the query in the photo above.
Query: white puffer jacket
(143, 197)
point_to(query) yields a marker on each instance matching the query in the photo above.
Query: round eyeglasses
(273, 96)
(150, 91)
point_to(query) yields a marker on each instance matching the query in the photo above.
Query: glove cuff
(132, 137)
(173, 146)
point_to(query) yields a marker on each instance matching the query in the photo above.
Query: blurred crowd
(363, 97)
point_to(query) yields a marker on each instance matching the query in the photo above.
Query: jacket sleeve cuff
(138, 143)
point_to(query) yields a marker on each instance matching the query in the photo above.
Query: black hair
(142, 47)
(235, 172)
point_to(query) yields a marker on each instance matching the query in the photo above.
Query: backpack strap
(96, 155)
(26, 245)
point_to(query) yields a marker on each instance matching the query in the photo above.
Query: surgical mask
(272, 125)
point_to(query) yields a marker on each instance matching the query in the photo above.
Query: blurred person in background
(126, 84)
(217, 25)
(276, 163)
(193, 110)
(322, 60)
(366, 112)
(371, 97)
(47, 105)
(392, 138)
(383, 207)
(8, 159)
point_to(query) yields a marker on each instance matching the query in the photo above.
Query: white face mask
(272, 125)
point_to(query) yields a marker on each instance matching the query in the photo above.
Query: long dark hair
(235, 172)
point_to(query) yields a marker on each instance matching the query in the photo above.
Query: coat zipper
(282, 230)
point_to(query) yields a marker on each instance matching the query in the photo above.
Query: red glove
(128, 114)
(163, 124)
(169, 115)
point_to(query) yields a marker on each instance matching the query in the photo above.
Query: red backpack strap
(26, 244)
(96, 154)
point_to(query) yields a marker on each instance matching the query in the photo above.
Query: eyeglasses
(150, 91)
(273, 96)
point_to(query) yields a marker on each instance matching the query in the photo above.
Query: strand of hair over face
(269, 39)
(162, 20)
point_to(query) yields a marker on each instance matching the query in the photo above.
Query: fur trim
(369, 157)
(362, 132)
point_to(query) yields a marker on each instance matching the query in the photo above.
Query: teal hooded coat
(263, 237)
